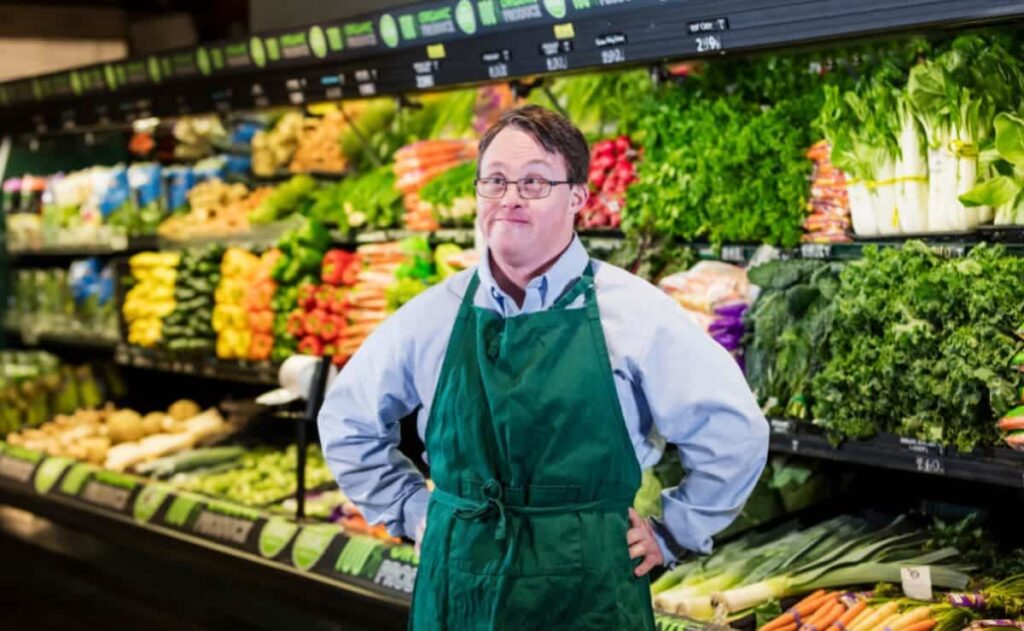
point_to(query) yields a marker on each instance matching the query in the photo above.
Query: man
(544, 381)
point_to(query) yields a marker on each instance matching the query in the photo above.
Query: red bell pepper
(339, 305)
(335, 263)
(296, 324)
(351, 274)
(311, 345)
(314, 322)
(332, 327)
(324, 297)
(307, 296)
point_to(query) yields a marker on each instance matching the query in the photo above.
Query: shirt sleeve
(699, 400)
(359, 431)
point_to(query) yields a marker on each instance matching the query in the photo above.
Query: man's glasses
(494, 187)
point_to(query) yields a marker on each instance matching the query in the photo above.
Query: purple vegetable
(733, 310)
(730, 341)
(725, 324)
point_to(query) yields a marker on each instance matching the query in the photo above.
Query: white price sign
(917, 582)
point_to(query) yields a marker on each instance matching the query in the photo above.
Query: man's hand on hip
(642, 544)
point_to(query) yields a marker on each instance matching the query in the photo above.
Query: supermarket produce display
(846, 219)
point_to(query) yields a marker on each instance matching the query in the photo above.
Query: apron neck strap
(467, 300)
(583, 285)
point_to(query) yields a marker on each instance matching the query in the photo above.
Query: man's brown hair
(552, 131)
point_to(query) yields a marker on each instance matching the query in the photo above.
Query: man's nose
(511, 195)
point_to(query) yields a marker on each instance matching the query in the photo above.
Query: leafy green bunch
(722, 163)
(920, 346)
(787, 332)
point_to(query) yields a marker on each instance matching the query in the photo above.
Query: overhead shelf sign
(474, 41)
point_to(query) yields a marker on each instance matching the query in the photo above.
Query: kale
(919, 345)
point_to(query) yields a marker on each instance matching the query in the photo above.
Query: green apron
(534, 475)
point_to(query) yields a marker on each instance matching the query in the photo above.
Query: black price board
(49, 473)
(18, 465)
(447, 43)
(220, 522)
(925, 457)
(111, 491)
(86, 483)
(374, 563)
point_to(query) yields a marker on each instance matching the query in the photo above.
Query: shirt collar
(549, 285)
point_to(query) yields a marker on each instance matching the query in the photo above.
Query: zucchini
(190, 461)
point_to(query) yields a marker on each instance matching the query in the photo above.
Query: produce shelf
(997, 466)
(432, 45)
(370, 578)
(66, 251)
(314, 560)
(206, 366)
(63, 340)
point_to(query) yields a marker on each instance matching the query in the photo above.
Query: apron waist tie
(494, 504)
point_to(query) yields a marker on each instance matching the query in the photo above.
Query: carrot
(926, 625)
(862, 616)
(357, 331)
(813, 621)
(428, 147)
(1011, 423)
(805, 607)
(851, 614)
(414, 163)
(879, 615)
(886, 625)
(911, 617)
(834, 613)
(414, 180)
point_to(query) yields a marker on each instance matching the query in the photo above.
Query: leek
(871, 558)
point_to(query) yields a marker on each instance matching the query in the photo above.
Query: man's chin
(507, 247)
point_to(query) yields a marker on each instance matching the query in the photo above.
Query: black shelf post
(317, 390)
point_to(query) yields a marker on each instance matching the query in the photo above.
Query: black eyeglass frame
(519, 188)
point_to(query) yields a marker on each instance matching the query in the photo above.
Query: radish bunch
(612, 170)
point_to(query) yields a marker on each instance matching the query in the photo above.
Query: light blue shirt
(674, 383)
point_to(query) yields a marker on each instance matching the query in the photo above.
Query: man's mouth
(516, 220)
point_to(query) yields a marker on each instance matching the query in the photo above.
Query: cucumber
(190, 461)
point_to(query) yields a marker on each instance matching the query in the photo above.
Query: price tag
(497, 63)
(816, 251)
(917, 582)
(733, 253)
(425, 73)
(950, 251)
(708, 43)
(708, 26)
(932, 465)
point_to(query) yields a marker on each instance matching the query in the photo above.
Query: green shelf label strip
(322, 548)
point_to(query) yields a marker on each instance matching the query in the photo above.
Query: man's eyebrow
(540, 161)
(502, 165)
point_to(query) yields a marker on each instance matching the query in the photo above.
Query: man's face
(527, 231)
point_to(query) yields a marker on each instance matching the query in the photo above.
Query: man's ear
(578, 198)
